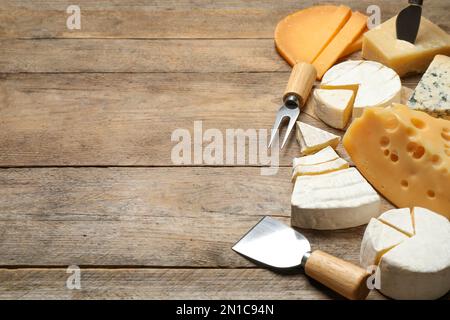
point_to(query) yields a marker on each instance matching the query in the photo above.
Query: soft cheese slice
(354, 27)
(399, 219)
(432, 94)
(404, 154)
(334, 107)
(324, 155)
(418, 268)
(427, 222)
(374, 84)
(321, 168)
(378, 239)
(336, 200)
(312, 139)
(293, 38)
(381, 44)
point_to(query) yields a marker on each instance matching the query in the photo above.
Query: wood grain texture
(144, 216)
(163, 284)
(169, 18)
(128, 119)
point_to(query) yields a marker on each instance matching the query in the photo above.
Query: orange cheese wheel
(300, 37)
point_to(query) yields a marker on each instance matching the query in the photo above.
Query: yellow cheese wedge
(381, 44)
(404, 154)
(320, 168)
(312, 139)
(349, 33)
(301, 36)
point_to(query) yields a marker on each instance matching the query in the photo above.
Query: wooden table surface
(86, 176)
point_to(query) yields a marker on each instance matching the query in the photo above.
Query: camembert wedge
(334, 107)
(312, 139)
(336, 200)
(324, 155)
(320, 168)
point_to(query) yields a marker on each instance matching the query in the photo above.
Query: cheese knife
(408, 21)
(278, 246)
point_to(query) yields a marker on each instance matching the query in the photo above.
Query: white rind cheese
(334, 107)
(375, 84)
(432, 94)
(336, 200)
(312, 139)
(417, 267)
(324, 155)
(399, 219)
(320, 168)
(378, 239)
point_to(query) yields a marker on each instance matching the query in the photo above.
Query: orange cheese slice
(300, 37)
(333, 51)
(355, 46)
(404, 154)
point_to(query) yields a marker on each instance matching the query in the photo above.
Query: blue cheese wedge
(432, 94)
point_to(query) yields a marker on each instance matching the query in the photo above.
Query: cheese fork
(299, 86)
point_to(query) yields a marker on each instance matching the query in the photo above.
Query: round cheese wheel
(413, 266)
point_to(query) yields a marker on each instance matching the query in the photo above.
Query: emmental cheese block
(312, 139)
(293, 35)
(404, 154)
(381, 44)
(351, 31)
(334, 107)
(336, 200)
(374, 84)
(432, 94)
(416, 267)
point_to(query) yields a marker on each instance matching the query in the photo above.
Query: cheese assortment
(404, 154)
(373, 84)
(410, 266)
(312, 139)
(381, 44)
(335, 200)
(432, 94)
(334, 107)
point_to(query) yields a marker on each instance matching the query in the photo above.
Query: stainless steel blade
(408, 21)
(273, 243)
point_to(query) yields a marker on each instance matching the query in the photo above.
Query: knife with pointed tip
(408, 21)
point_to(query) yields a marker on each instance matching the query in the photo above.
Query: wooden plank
(144, 216)
(112, 55)
(172, 18)
(163, 284)
(128, 119)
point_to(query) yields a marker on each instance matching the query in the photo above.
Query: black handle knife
(408, 21)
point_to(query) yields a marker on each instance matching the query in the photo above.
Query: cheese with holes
(324, 155)
(350, 32)
(381, 44)
(404, 154)
(293, 38)
(335, 200)
(334, 107)
(374, 84)
(399, 219)
(414, 267)
(320, 168)
(432, 94)
(312, 139)
(378, 239)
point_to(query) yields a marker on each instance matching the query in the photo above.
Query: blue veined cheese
(432, 94)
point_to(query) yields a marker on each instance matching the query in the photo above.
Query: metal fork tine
(280, 115)
(293, 115)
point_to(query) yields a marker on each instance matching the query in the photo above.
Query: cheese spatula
(408, 21)
(276, 245)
